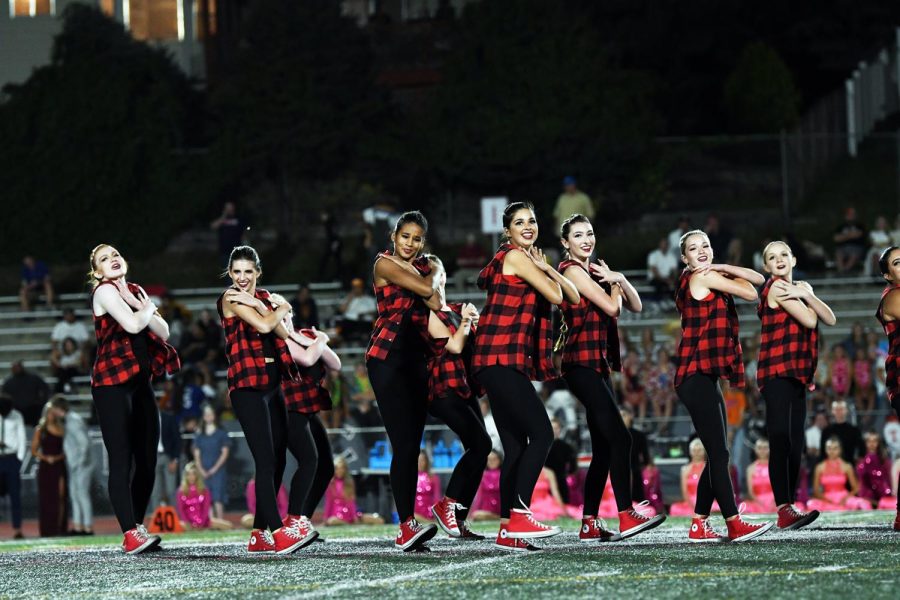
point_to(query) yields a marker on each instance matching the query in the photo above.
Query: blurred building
(27, 29)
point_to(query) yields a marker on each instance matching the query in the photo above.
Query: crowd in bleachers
(849, 395)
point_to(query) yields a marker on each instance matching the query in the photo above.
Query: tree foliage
(301, 98)
(89, 145)
(528, 96)
(760, 94)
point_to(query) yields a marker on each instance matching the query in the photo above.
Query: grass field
(840, 556)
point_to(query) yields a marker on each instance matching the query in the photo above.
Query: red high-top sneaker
(631, 522)
(513, 544)
(522, 524)
(261, 542)
(137, 540)
(791, 518)
(703, 532)
(444, 513)
(304, 526)
(740, 530)
(412, 534)
(593, 529)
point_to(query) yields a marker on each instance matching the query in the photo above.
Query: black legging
(785, 399)
(308, 442)
(895, 403)
(610, 440)
(703, 400)
(263, 418)
(463, 417)
(129, 422)
(525, 432)
(399, 383)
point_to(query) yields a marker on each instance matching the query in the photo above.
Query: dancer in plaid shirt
(889, 316)
(590, 345)
(788, 352)
(395, 359)
(258, 360)
(306, 437)
(131, 350)
(709, 349)
(452, 399)
(512, 348)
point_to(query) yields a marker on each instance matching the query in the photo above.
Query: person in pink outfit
(653, 486)
(840, 372)
(835, 484)
(487, 501)
(760, 497)
(340, 499)
(428, 488)
(546, 502)
(874, 473)
(281, 500)
(690, 478)
(194, 502)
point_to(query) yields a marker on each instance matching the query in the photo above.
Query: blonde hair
(277, 299)
(199, 483)
(349, 484)
(696, 443)
(92, 278)
(684, 238)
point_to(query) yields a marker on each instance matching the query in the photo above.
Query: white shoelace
(600, 524)
(142, 533)
(639, 508)
(414, 525)
(267, 537)
(707, 527)
(450, 513)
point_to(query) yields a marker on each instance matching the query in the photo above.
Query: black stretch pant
(701, 396)
(463, 417)
(263, 418)
(610, 440)
(785, 399)
(129, 422)
(400, 384)
(525, 432)
(308, 442)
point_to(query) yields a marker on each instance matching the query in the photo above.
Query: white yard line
(429, 572)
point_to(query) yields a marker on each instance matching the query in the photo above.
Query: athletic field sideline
(842, 555)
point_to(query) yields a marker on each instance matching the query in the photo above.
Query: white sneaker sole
(646, 526)
(531, 535)
(301, 543)
(717, 540)
(516, 549)
(746, 538)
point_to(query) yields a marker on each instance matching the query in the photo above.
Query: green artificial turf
(840, 556)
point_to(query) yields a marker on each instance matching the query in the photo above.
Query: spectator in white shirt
(560, 405)
(69, 327)
(662, 270)
(77, 448)
(12, 452)
(814, 436)
(358, 310)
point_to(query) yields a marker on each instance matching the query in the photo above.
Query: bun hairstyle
(884, 258)
(434, 261)
(244, 253)
(684, 238)
(512, 208)
(412, 216)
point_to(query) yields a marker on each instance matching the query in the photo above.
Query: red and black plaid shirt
(447, 371)
(394, 302)
(116, 362)
(308, 393)
(786, 348)
(245, 353)
(892, 362)
(514, 329)
(592, 336)
(710, 340)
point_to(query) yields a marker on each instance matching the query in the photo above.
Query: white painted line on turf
(829, 568)
(600, 574)
(429, 572)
